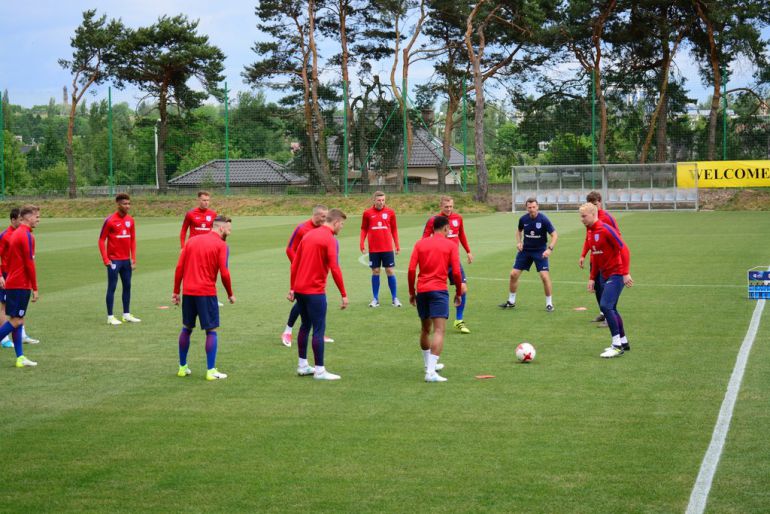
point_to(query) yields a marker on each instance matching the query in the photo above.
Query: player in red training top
(378, 225)
(610, 263)
(117, 244)
(21, 284)
(605, 217)
(318, 253)
(456, 234)
(5, 238)
(315, 221)
(435, 257)
(201, 260)
(198, 220)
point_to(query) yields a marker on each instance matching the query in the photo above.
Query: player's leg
(598, 286)
(293, 315)
(125, 279)
(208, 314)
(317, 307)
(6, 341)
(303, 367)
(112, 284)
(542, 267)
(423, 312)
(613, 286)
(459, 323)
(439, 313)
(390, 270)
(375, 262)
(17, 301)
(622, 330)
(189, 314)
(523, 262)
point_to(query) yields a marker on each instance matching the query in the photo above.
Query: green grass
(103, 423)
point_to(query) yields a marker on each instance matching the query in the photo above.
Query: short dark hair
(594, 197)
(222, 219)
(28, 209)
(334, 215)
(440, 222)
(203, 193)
(532, 199)
(122, 196)
(15, 213)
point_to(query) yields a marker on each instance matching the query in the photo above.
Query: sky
(34, 35)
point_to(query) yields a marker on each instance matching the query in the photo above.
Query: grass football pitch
(104, 424)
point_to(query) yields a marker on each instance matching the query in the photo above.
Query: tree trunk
(447, 140)
(601, 144)
(68, 152)
(660, 108)
(714, 61)
(162, 135)
(482, 187)
(661, 133)
(320, 128)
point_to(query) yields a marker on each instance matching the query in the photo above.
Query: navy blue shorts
(205, 308)
(525, 258)
(16, 302)
(382, 260)
(462, 272)
(433, 304)
(312, 312)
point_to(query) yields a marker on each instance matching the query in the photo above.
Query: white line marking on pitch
(708, 467)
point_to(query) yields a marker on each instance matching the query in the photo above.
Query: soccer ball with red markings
(525, 352)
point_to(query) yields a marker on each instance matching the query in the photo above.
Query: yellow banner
(714, 174)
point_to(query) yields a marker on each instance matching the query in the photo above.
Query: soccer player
(117, 244)
(316, 256)
(21, 284)
(199, 220)
(456, 234)
(532, 244)
(5, 238)
(378, 225)
(316, 220)
(202, 258)
(435, 257)
(595, 197)
(610, 262)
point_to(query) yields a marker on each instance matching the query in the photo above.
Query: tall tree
(725, 30)
(495, 34)
(292, 54)
(93, 51)
(161, 60)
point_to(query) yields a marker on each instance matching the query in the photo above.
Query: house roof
(426, 151)
(243, 172)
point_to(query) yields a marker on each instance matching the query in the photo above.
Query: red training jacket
(119, 233)
(381, 229)
(456, 230)
(318, 253)
(21, 260)
(434, 255)
(200, 261)
(609, 255)
(5, 239)
(296, 238)
(198, 221)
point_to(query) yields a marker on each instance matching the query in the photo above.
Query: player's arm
(364, 231)
(394, 231)
(625, 255)
(133, 245)
(224, 271)
(464, 241)
(294, 268)
(554, 237)
(586, 248)
(103, 243)
(178, 274)
(29, 264)
(332, 254)
(457, 275)
(428, 230)
(412, 274)
(186, 224)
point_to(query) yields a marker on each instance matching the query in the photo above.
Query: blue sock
(461, 309)
(17, 345)
(392, 285)
(184, 345)
(376, 287)
(5, 329)
(211, 349)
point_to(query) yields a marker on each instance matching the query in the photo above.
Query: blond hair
(589, 208)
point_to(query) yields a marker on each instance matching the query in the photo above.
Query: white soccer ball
(525, 352)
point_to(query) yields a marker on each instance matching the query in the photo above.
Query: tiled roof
(426, 151)
(243, 172)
